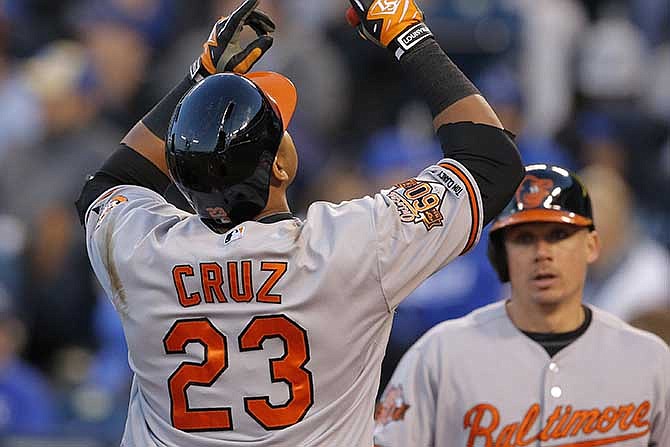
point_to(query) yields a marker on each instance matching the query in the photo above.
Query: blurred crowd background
(583, 83)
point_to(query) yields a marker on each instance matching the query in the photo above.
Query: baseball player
(247, 326)
(539, 369)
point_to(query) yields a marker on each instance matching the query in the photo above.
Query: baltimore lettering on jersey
(206, 282)
(606, 426)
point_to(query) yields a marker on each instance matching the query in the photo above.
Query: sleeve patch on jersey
(419, 202)
(392, 406)
(108, 207)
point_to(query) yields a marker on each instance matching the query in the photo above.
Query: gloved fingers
(352, 17)
(233, 24)
(211, 49)
(360, 6)
(242, 62)
(243, 11)
(223, 51)
(261, 23)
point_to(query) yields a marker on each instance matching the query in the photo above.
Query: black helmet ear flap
(498, 255)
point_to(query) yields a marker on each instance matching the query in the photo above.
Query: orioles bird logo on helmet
(533, 191)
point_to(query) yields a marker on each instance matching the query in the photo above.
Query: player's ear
(592, 246)
(284, 166)
(279, 172)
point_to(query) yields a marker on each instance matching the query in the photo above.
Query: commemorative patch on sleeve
(392, 406)
(419, 202)
(108, 207)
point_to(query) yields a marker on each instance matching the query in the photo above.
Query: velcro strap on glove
(409, 39)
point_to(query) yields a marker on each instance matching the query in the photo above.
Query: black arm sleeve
(123, 167)
(158, 119)
(440, 82)
(492, 158)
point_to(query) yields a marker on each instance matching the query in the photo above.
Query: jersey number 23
(290, 369)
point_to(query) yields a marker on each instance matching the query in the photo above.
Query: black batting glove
(394, 24)
(223, 53)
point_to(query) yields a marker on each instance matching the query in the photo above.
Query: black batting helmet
(546, 194)
(223, 139)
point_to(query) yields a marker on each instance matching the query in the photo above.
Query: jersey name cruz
(205, 282)
(630, 421)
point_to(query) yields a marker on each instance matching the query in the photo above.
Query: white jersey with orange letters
(480, 382)
(271, 334)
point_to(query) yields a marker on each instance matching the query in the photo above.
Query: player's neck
(546, 318)
(277, 204)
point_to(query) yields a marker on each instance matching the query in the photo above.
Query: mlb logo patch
(234, 235)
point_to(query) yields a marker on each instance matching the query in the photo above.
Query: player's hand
(223, 52)
(394, 24)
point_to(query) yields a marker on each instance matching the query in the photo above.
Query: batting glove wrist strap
(409, 39)
(222, 52)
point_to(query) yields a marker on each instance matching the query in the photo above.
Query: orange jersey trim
(474, 207)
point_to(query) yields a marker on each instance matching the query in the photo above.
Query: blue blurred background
(584, 84)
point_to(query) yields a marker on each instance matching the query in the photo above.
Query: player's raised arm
(468, 129)
(141, 158)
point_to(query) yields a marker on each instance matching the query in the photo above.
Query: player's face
(548, 261)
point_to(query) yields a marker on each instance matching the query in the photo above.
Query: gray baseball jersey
(480, 382)
(270, 334)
